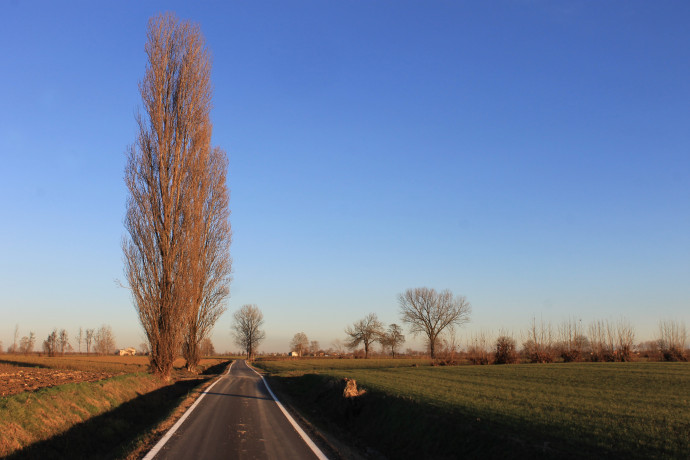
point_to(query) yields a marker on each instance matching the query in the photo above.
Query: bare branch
(177, 259)
(365, 331)
(246, 328)
(429, 312)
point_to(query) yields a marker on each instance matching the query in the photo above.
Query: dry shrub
(539, 346)
(351, 390)
(478, 349)
(672, 340)
(571, 341)
(625, 340)
(506, 350)
(611, 342)
(444, 362)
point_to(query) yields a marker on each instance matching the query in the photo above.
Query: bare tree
(429, 312)
(63, 341)
(144, 348)
(104, 340)
(26, 344)
(539, 344)
(176, 256)
(16, 336)
(207, 348)
(571, 340)
(50, 345)
(210, 237)
(450, 343)
(32, 342)
(479, 348)
(625, 340)
(89, 339)
(337, 346)
(366, 331)
(393, 338)
(672, 340)
(314, 347)
(246, 328)
(597, 342)
(80, 339)
(299, 343)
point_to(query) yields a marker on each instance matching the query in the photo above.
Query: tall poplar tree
(177, 261)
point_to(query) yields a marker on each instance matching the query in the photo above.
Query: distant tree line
(570, 341)
(100, 341)
(436, 316)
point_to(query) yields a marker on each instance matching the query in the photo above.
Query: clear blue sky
(533, 156)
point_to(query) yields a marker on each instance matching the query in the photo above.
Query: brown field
(16, 379)
(19, 373)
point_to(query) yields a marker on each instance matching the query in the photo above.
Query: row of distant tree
(100, 341)
(426, 311)
(571, 341)
(541, 342)
(436, 316)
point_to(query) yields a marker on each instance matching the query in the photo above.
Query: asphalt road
(238, 419)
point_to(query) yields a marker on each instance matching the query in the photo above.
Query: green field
(619, 410)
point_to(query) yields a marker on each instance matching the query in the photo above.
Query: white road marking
(314, 448)
(153, 452)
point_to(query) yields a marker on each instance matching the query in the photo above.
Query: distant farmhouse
(127, 352)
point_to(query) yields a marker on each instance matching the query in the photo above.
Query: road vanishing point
(237, 417)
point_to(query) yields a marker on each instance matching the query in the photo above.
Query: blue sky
(533, 156)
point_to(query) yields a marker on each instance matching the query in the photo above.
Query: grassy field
(620, 410)
(298, 366)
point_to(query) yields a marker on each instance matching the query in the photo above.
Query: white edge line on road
(299, 429)
(153, 452)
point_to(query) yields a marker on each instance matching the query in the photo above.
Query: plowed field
(16, 379)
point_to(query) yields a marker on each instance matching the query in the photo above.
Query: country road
(237, 418)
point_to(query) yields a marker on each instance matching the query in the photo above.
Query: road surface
(238, 419)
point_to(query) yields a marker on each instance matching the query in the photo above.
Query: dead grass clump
(444, 362)
(351, 390)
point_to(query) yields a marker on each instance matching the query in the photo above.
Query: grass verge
(120, 417)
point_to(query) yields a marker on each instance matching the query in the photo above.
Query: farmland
(97, 406)
(622, 410)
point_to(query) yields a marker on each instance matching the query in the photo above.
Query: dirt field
(19, 373)
(14, 379)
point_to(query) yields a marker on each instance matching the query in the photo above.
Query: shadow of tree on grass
(23, 364)
(115, 433)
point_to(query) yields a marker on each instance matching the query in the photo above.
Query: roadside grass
(109, 418)
(35, 416)
(619, 410)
